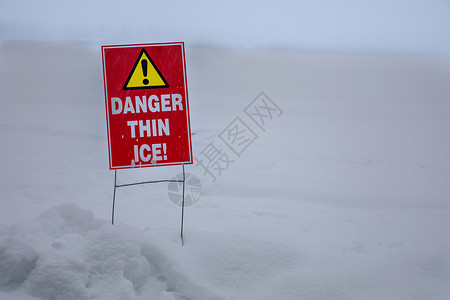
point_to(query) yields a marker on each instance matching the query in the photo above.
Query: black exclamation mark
(144, 63)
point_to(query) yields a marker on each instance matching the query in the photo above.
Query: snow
(345, 195)
(67, 254)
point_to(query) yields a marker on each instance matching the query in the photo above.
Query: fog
(325, 25)
(341, 193)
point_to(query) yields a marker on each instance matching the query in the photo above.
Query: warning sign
(147, 107)
(145, 74)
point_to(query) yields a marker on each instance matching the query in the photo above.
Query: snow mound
(68, 254)
(17, 259)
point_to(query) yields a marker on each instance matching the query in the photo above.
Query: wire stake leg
(182, 208)
(114, 196)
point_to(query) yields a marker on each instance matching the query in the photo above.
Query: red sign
(147, 109)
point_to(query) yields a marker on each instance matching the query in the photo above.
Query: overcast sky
(336, 25)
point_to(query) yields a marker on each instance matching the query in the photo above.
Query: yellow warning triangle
(145, 74)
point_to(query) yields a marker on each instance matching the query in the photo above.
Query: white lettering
(168, 102)
(145, 158)
(165, 103)
(140, 104)
(156, 152)
(132, 124)
(147, 128)
(128, 106)
(136, 154)
(144, 128)
(163, 126)
(177, 101)
(154, 127)
(146, 153)
(153, 103)
(116, 101)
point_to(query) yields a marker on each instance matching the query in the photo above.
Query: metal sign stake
(183, 181)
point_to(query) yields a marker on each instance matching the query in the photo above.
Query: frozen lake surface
(343, 192)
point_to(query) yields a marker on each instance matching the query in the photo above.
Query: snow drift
(68, 254)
